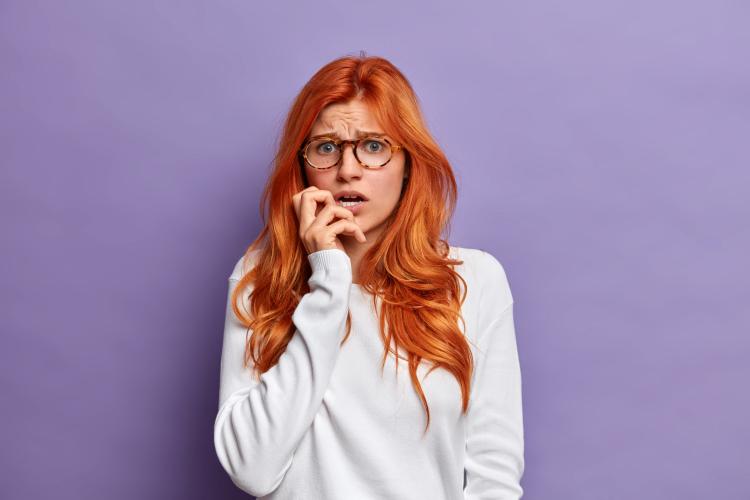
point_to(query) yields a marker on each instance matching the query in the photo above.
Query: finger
(310, 202)
(330, 212)
(296, 199)
(349, 228)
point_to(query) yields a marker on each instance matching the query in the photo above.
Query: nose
(349, 167)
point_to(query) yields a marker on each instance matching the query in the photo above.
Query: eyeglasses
(325, 152)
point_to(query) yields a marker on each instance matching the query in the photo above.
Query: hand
(314, 229)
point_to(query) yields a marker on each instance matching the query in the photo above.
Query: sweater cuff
(331, 259)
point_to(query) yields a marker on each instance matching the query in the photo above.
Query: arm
(260, 423)
(495, 443)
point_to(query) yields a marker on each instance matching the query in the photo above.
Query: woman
(348, 271)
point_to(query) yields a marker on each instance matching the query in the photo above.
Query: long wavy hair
(408, 267)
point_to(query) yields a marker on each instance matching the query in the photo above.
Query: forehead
(346, 119)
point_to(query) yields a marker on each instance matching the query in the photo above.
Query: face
(381, 186)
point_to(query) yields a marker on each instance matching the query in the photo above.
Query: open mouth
(350, 202)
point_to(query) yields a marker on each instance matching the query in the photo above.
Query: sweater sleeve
(259, 424)
(495, 443)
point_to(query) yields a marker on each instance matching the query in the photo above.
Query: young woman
(364, 357)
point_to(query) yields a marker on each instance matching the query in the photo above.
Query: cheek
(319, 179)
(389, 192)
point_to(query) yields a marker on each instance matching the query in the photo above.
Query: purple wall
(602, 156)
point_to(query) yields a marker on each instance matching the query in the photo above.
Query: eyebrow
(359, 134)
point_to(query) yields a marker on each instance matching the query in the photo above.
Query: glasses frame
(355, 144)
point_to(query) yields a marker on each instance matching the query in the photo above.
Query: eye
(374, 146)
(325, 148)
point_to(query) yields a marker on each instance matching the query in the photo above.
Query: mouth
(350, 202)
(350, 198)
(354, 204)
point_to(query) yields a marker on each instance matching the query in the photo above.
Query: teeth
(348, 203)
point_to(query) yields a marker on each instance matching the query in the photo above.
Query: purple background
(601, 150)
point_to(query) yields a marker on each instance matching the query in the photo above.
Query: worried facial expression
(381, 187)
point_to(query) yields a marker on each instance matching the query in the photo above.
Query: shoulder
(485, 276)
(244, 264)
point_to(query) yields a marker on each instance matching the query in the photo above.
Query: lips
(354, 208)
(350, 194)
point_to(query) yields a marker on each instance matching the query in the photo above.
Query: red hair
(408, 267)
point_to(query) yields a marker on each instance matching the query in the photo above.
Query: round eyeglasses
(325, 152)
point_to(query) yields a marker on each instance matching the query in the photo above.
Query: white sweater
(323, 424)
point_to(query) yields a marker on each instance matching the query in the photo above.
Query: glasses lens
(322, 153)
(372, 151)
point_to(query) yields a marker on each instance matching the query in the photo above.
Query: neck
(356, 250)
